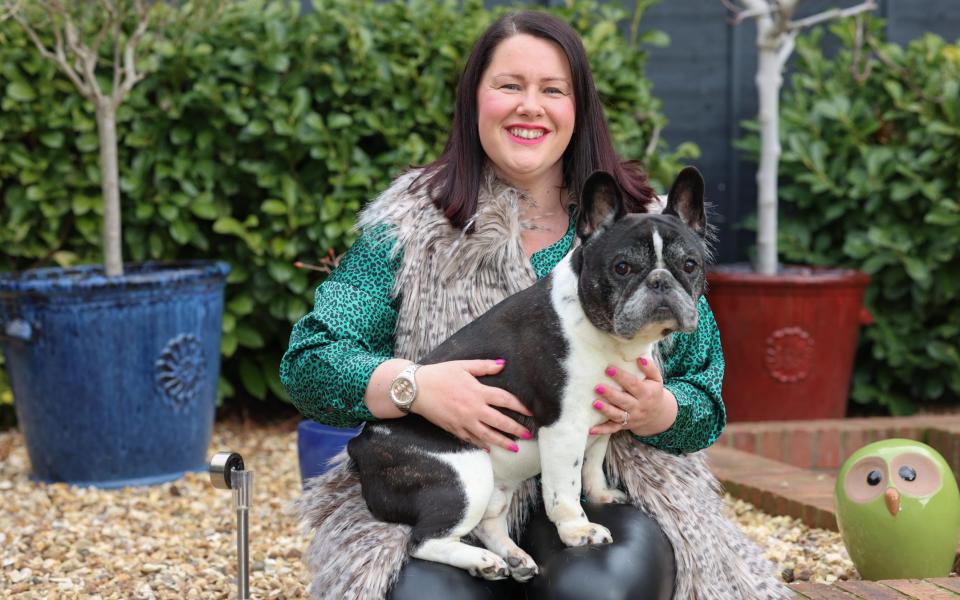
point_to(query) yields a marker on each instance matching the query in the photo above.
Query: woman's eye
(907, 473)
(621, 268)
(874, 477)
(554, 91)
(689, 266)
(510, 86)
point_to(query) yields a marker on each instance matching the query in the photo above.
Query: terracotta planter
(789, 340)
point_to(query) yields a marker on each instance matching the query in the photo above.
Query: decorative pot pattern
(789, 354)
(180, 370)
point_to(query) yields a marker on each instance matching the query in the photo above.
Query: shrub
(258, 139)
(869, 174)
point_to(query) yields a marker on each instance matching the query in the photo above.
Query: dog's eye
(689, 266)
(621, 268)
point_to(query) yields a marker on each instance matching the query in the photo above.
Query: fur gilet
(447, 279)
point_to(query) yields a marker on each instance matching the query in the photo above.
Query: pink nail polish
(500, 361)
(487, 450)
(527, 435)
(598, 405)
(643, 361)
(610, 371)
(514, 448)
(593, 432)
(600, 390)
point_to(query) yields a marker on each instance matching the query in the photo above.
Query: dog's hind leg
(436, 536)
(493, 532)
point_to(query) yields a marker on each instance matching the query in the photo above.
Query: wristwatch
(403, 388)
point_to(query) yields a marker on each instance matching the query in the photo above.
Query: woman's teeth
(527, 134)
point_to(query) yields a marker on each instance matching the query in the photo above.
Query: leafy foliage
(869, 176)
(258, 137)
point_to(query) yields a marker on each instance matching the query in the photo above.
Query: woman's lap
(638, 565)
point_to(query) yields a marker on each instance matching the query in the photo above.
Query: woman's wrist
(663, 419)
(377, 396)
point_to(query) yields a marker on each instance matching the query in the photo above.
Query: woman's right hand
(450, 397)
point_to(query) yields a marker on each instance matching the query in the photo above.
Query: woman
(439, 248)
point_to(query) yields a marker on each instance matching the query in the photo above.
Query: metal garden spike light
(227, 473)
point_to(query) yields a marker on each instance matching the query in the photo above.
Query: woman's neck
(543, 196)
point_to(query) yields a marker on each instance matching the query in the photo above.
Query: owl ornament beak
(892, 500)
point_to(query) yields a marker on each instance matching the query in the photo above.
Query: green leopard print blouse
(336, 347)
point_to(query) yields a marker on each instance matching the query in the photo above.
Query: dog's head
(641, 274)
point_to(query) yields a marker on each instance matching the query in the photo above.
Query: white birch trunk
(110, 185)
(769, 81)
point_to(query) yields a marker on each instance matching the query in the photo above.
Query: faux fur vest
(447, 279)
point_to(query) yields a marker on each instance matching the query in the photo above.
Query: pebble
(178, 540)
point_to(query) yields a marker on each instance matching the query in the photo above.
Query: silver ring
(626, 417)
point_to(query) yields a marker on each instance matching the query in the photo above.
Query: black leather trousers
(638, 565)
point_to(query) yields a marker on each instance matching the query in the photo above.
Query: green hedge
(869, 177)
(257, 139)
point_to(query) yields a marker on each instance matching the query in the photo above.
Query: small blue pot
(114, 378)
(317, 444)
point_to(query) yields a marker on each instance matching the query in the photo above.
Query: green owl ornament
(898, 509)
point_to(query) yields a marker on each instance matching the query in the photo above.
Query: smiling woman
(526, 115)
(445, 243)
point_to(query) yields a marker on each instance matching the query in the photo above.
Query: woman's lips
(527, 141)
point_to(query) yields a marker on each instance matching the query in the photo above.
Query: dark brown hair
(453, 180)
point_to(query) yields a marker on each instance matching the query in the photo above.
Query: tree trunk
(110, 184)
(769, 81)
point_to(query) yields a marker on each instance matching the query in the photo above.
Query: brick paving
(789, 468)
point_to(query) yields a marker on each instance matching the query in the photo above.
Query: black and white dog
(634, 279)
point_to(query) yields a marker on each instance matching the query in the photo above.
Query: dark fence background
(705, 78)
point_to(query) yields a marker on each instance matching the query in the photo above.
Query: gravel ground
(177, 540)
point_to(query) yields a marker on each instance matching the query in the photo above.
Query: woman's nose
(530, 105)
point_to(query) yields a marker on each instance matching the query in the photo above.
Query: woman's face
(526, 109)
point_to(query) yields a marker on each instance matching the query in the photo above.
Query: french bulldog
(634, 279)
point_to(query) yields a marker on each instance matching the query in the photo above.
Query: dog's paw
(522, 566)
(490, 566)
(583, 534)
(608, 496)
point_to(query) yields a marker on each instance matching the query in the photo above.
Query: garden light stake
(226, 473)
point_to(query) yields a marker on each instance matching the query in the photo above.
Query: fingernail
(527, 435)
(610, 371)
(500, 361)
(593, 432)
(487, 450)
(598, 405)
(600, 390)
(643, 361)
(514, 448)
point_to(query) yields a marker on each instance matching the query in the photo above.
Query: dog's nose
(659, 280)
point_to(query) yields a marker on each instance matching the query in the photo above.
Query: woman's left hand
(644, 406)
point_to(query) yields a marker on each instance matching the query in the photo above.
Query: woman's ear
(686, 200)
(601, 204)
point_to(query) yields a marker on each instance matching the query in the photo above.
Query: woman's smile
(527, 135)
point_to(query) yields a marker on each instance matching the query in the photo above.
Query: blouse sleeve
(693, 372)
(335, 348)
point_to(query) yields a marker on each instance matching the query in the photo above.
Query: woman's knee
(421, 579)
(638, 565)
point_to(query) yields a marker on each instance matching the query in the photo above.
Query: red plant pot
(789, 340)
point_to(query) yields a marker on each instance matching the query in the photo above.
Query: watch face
(402, 391)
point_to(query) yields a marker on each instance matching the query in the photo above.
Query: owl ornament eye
(898, 510)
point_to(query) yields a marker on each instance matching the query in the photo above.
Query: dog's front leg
(561, 457)
(594, 481)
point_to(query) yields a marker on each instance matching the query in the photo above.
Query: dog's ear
(686, 200)
(601, 203)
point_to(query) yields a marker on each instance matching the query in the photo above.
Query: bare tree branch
(834, 13)
(57, 55)
(131, 77)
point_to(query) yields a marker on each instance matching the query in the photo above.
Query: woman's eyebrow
(542, 79)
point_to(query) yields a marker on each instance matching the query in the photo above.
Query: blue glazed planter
(114, 378)
(317, 444)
